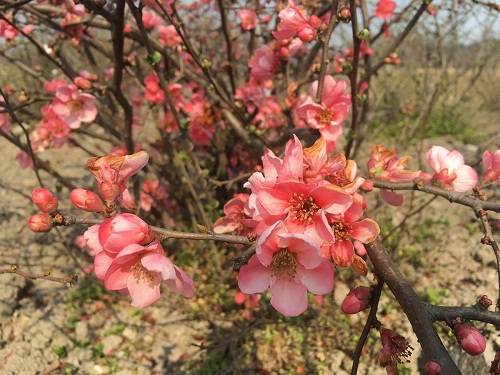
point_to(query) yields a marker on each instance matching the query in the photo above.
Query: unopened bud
(367, 185)
(346, 67)
(306, 32)
(40, 223)
(315, 22)
(357, 300)
(44, 200)
(469, 338)
(345, 15)
(432, 368)
(86, 200)
(362, 34)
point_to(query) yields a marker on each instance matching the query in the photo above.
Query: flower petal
(289, 297)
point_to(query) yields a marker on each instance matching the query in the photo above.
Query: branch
(448, 313)
(67, 280)
(452, 196)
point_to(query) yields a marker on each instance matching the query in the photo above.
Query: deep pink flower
(469, 338)
(294, 23)
(72, 107)
(289, 264)
(40, 223)
(385, 9)
(450, 171)
(44, 200)
(86, 200)
(491, 163)
(327, 116)
(169, 36)
(357, 300)
(151, 193)
(248, 19)
(7, 31)
(153, 92)
(113, 172)
(395, 350)
(140, 270)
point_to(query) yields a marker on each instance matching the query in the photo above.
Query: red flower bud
(86, 200)
(356, 300)
(367, 186)
(469, 338)
(44, 200)
(40, 223)
(315, 22)
(432, 368)
(306, 32)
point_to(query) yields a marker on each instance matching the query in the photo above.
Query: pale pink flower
(24, 159)
(44, 200)
(294, 23)
(491, 163)
(51, 86)
(385, 9)
(264, 64)
(151, 20)
(327, 116)
(140, 270)
(151, 193)
(72, 107)
(248, 19)
(51, 132)
(168, 36)
(235, 213)
(91, 237)
(290, 264)
(450, 171)
(113, 172)
(86, 200)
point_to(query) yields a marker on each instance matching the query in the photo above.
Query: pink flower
(294, 23)
(24, 160)
(40, 223)
(153, 93)
(491, 163)
(140, 270)
(86, 200)
(395, 350)
(346, 226)
(385, 9)
(234, 210)
(450, 171)
(7, 31)
(44, 200)
(357, 300)
(469, 338)
(264, 64)
(113, 172)
(327, 116)
(248, 19)
(150, 20)
(169, 36)
(5, 122)
(72, 107)
(289, 264)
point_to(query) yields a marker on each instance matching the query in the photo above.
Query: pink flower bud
(306, 32)
(470, 338)
(432, 368)
(40, 223)
(240, 298)
(356, 300)
(315, 22)
(44, 200)
(86, 200)
(367, 185)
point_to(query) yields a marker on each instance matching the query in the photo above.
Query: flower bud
(469, 338)
(44, 200)
(40, 223)
(367, 185)
(315, 22)
(357, 300)
(432, 368)
(86, 200)
(306, 32)
(345, 15)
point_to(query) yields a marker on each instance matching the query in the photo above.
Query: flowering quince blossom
(5, 122)
(289, 264)
(450, 171)
(294, 23)
(73, 107)
(235, 213)
(357, 300)
(168, 36)
(385, 9)
(140, 270)
(491, 163)
(153, 92)
(328, 115)
(395, 350)
(345, 226)
(112, 174)
(248, 19)
(264, 63)
(384, 165)
(469, 338)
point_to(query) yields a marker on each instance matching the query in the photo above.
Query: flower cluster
(306, 209)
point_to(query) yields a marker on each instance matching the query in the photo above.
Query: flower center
(140, 272)
(284, 264)
(341, 230)
(401, 350)
(325, 116)
(303, 208)
(75, 105)
(338, 178)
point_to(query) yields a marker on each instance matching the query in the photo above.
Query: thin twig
(67, 280)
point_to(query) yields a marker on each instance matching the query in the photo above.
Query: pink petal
(394, 199)
(365, 230)
(116, 276)
(133, 164)
(331, 198)
(342, 252)
(143, 291)
(435, 156)
(289, 297)
(318, 280)
(182, 284)
(254, 277)
(102, 262)
(159, 263)
(307, 250)
(268, 243)
(466, 179)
